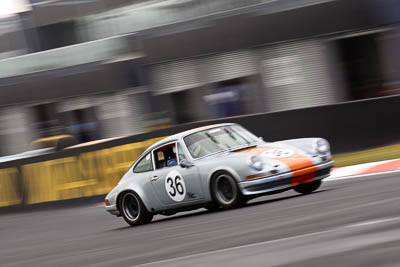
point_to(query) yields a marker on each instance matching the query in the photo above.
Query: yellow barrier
(9, 189)
(89, 174)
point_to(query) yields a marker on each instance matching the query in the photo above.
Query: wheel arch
(120, 194)
(217, 171)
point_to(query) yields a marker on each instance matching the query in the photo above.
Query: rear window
(144, 165)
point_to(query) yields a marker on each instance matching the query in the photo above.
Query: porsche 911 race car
(217, 167)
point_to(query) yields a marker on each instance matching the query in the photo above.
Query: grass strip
(366, 156)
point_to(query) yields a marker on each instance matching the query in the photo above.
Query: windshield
(215, 140)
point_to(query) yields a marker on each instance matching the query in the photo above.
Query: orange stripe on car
(304, 170)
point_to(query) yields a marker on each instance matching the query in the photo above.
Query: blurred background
(97, 69)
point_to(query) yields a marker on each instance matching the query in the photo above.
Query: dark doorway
(46, 120)
(183, 106)
(57, 35)
(361, 66)
(81, 123)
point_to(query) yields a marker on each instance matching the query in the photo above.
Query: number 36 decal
(175, 186)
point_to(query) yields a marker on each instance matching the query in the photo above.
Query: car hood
(276, 154)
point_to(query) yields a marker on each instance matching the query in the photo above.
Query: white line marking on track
(385, 220)
(237, 247)
(330, 179)
(202, 254)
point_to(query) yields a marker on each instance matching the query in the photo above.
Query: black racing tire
(133, 210)
(225, 192)
(308, 188)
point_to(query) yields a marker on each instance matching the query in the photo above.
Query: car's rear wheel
(308, 188)
(225, 191)
(133, 210)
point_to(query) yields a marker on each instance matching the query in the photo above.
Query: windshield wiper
(230, 134)
(241, 136)
(212, 138)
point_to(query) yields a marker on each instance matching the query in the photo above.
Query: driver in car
(171, 159)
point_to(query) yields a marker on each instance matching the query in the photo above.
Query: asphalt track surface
(350, 222)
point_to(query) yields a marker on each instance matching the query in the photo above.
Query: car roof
(178, 136)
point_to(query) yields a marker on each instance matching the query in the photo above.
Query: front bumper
(283, 181)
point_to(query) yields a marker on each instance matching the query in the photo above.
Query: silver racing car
(216, 167)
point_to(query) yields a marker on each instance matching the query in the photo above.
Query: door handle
(154, 178)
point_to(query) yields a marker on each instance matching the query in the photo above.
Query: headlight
(322, 146)
(256, 163)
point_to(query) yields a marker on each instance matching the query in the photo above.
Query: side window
(181, 153)
(165, 156)
(144, 164)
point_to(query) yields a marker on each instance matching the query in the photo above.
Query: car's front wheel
(307, 188)
(225, 191)
(133, 210)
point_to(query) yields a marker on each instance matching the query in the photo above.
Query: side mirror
(186, 164)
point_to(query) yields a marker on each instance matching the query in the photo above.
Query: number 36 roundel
(175, 186)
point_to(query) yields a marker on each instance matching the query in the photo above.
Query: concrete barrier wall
(66, 177)
(95, 169)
